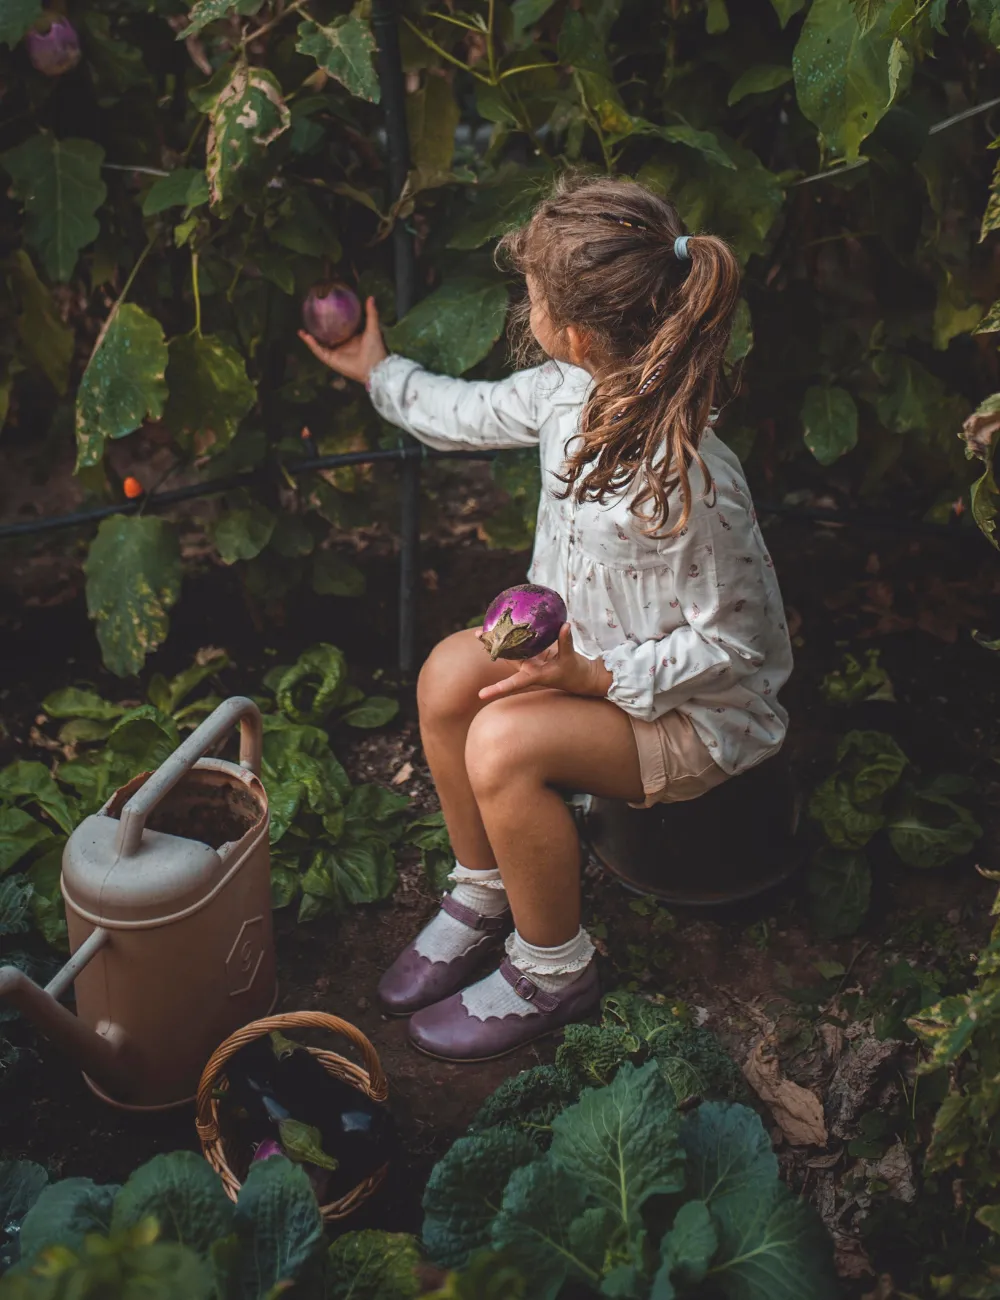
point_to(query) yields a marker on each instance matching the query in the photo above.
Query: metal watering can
(168, 902)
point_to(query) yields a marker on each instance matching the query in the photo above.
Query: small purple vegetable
(331, 313)
(523, 621)
(53, 46)
(267, 1149)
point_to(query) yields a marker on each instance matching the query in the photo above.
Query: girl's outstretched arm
(440, 411)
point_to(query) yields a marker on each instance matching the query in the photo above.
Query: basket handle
(236, 709)
(205, 1118)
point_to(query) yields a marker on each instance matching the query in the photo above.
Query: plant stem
(197, 293)
(525, 67)
(491, 54)
(450, 58)
(296, 7)
(456, 22)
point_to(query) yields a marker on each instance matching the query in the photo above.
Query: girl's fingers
(372, 324)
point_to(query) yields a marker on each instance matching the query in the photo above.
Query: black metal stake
(390, 69)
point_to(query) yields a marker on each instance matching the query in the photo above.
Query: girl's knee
(448, 686)
(498, 750)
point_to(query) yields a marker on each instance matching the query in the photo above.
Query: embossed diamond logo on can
(245, 956)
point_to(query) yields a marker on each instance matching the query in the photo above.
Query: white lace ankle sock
(444, 937)
(551, 969)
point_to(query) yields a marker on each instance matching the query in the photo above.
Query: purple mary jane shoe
(449, 1032)
(412, 981)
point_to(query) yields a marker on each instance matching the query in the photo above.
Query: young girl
(664, 682)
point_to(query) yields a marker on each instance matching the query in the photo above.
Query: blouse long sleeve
(725, 608)
(445, 413)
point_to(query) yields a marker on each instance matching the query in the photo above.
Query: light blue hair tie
(681, 248)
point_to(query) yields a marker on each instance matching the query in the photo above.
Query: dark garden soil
(747, 970)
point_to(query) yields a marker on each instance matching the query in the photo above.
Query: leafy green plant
(172, 199)
(332, 843)
(962, 1037)
(857, 683)
(866, 795)
(631, 1199)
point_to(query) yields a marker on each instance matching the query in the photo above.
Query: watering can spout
(101, 1053)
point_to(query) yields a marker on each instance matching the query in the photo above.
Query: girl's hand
(356, 358)
(560, 668)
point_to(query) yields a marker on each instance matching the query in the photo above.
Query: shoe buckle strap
(527, 989)
(474, 920)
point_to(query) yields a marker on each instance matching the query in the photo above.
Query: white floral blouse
(693, 622)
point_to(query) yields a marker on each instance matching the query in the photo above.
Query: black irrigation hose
(413, 451)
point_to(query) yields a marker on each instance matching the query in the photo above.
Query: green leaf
(143, 739)
(184, 188)
(716, 18)
(546, 1231)
(842, 74)
(47, 340)
(857, 682)
(525, 13)
(465, 1191)
(303, 1143)
(209, 393)
(247, 116)
(19, 834)
(691, 1242)
(774, 1248)
(242, 533)
(345, 50)
(758, 80)
(332, 575)
(373, 1265)
(453, 327)
(357, 869)
(15, 901)
(829, 423)
(59, 183)
(431, 118)
(47, 907)
(913, 399)
(927, 829)
(65, 1213)
(133, 578)
(16, 18)
(730, 1158)
(72, 702)
(204, 12)
(867, 12)
(839, 886)
(872, 762)
(115, 66)
(785, 9)
(301, 227)
(33, 782)
(277, 1216)
(990, 323)
(704, 142)
(621, 1142)
(989, 1217)
(123, 384)
(183, 1193)
(308, 691)
(21, 1183)
(375, 711)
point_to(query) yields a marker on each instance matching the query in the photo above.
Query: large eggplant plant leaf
(133, 578)
(204, 12)
(16, 16)
(124, 382)
(453, 327)
(345, 50)
(59, 183)
(47, 339)
(209, 392)
(842, 74)
(829, 423)
(246, 116)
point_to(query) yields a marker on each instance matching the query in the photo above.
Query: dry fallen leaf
(798, 1112)
(403, 775)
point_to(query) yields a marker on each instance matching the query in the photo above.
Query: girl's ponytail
(610, 257)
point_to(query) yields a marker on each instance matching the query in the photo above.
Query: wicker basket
(370, 1080)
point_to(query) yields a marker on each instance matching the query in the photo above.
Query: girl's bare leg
(448, 701)
(520, 753)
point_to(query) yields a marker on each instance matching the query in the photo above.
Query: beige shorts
(673, 760)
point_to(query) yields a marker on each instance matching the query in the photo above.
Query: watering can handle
(237, 709)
